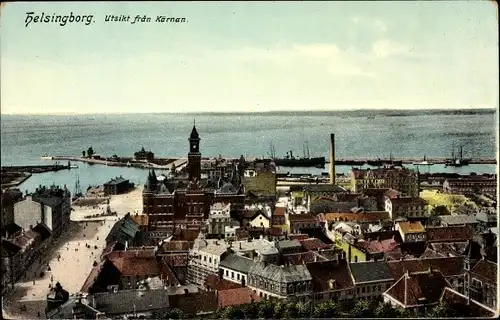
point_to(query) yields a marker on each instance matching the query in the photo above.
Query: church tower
(194, 155)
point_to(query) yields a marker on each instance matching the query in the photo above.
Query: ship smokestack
(332, 158)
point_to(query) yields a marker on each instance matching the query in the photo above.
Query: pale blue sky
(258, 56)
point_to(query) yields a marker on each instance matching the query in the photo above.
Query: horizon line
(248, 112)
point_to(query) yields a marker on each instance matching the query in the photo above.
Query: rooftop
(411, 227)
(238, 296)
(283, 274)
(418, 288)
(357, 217)
(236, 262)
(301, 217)
(116, 181)
(314, 244)
(303, 258)
(370, 271)
(452, 233)
(213, 282)
(459, 301)
(137, 266)
(377, 246)
(330, 275)
(449, 266)
(487, 270)
(457, 219)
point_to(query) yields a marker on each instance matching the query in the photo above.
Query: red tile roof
(376, 246)
(128, 254)
(314, 244)
(176, 260)
(213, 282)
(411, 227)
(356, 217)
(422, 288)
(234, 297)
(453, 233)
(279, 211)
(487, 270)
(303, 258)
(448, 266)
(175, 246)
(132, 266)
(92, 277)
(330, 275)
(301, 217)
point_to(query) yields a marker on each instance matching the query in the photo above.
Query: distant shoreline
(351, 112)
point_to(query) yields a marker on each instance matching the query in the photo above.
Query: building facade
(186, 201)
(402, 179)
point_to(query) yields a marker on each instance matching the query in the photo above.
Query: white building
(219, 218)
(259, 221)
(204, 258)
(29, 213)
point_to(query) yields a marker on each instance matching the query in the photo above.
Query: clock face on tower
(195, 147)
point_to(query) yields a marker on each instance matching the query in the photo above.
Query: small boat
(423, 163)
(73, 166)
(46, 157)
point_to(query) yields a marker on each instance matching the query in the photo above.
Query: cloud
(385, 48)
(379, 25)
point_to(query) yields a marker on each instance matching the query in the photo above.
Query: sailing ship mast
(307, 146)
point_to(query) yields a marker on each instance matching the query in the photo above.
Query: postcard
(243, 160)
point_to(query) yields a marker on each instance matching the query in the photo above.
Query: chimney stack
(332, 159)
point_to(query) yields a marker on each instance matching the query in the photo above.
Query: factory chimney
(332, 158)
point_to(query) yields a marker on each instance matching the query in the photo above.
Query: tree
(280, 309)
(362, 309)
(291, 312)
(385, 310)
(266, 309)
(444, 310)
(404, 313)
(440, 211)
(90, 152)
(83, 153)
(169, 314)
(328, 309)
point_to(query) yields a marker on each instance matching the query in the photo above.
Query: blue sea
(25, 138)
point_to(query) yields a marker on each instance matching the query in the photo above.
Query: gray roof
(123, 230)
(116, 181)
(128, 301)
(283, 274)
(370, 271)
(283, 244)
(458, 219)
(237, 263)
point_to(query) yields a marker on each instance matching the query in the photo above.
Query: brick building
(186, 201)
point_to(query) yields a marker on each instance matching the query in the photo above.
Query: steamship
(290, 161)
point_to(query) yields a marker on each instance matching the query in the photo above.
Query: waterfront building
(9, 198)
(186, 200)
(143, 155)
(471, 185)
(402, 179)
(50, 206)
(117, 185)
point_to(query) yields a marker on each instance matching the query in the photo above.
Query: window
(210, 260)
(232, 275)
(238, 276)
(205, 258)
(355, 258)
(227, 273)
(362, 289)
